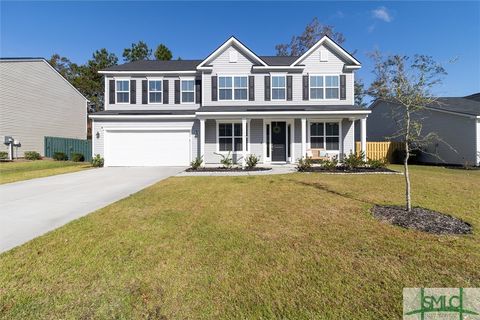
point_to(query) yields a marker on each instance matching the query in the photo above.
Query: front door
(279, 141)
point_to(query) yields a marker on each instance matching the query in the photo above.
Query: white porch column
(202, 140)
(304, 137)
(244, 141)
(363, 137)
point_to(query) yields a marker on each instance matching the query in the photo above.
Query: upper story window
(155, 91)
(123, 91)
(233, 88)
(278, 88)
(324, 87)
(188, 91)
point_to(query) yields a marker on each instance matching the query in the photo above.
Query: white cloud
(382, 14)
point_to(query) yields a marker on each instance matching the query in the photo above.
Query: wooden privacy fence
(381, 150)
(68, 146)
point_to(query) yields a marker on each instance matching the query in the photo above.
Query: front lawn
(297, 246)
(17, 171)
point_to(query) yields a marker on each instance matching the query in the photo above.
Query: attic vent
(323, 55)
(233, 56)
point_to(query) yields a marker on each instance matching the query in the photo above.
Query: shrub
(97, 161)
(252, 161)
(3, 155)
(77, 157)
(304, 164)
(60, 156)
(375, 164)
(398, 156)
(226, 161)
(195, 164)
(330, 164)
(32, 155)
(354, 161)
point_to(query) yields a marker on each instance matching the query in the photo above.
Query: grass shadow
(325, 188)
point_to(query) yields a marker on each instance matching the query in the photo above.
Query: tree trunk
(405, 164)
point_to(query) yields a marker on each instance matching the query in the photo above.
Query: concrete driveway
(31, 208)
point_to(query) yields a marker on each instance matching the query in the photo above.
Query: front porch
(278, 139)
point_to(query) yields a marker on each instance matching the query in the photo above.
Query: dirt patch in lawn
(421, 219)
(222, 169)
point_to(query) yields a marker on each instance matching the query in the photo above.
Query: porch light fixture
(97, 135)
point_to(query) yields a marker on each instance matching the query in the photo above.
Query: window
(233, 88)
(278, 88)
(316, 87)
(323, 55)
(325, 135)
(230, 137)
(188, 91)
(324, 87)
(154, 91)
(332, 88)
(123, 91)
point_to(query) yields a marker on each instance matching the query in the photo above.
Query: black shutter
(289, 88)
(177, 91)
(267, 88)
(251, 88)
(198, 91)
(111, 91)
(214, 88)
(165, 91)
(144, 91)
(305, 88)
(343, 87)
(133, 91)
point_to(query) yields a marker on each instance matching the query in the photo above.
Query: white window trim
(129, 98)
(284, 87)
(181, 90)
(233, 87)
(324, 87)
(325, 121)
(148, 90)
(218, 122)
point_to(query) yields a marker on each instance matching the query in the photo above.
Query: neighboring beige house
(36, 101)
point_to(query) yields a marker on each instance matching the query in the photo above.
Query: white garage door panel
(147, 148)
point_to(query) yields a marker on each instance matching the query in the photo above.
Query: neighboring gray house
(455, 120)
(278, 108)
(36, 101)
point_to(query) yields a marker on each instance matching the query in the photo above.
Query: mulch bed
(222, 169)
(343, 169)
(421, 219)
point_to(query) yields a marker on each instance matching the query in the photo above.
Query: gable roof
(40, 59)
(475, 96)
(457, 105)
(232, 41)
(334, 45)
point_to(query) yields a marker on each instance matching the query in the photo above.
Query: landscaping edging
(421, 219)
(221, 169)
(343, 170)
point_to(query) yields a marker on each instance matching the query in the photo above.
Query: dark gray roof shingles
(187, 65)
(260, 108)
(458, 105)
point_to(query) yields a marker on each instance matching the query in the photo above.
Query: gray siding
(100, 126)
(35, 101)
(256, 138)
(313, 65)
(458, 133)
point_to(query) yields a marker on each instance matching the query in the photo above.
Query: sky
(448, 31)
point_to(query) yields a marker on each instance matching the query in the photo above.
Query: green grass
(17, 171)
(298, 246)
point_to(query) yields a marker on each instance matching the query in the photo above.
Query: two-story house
(233, 101)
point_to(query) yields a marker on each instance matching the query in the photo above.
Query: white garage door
(147, 148)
